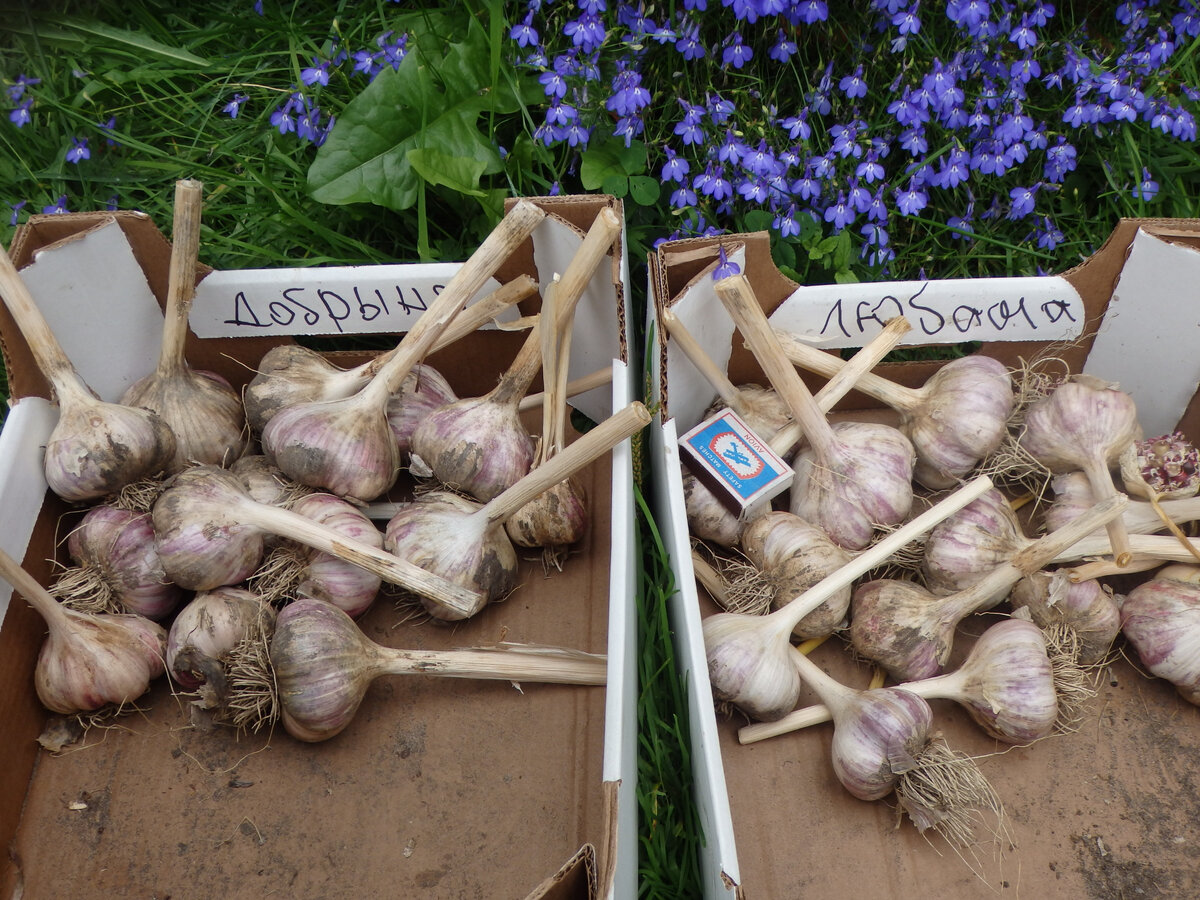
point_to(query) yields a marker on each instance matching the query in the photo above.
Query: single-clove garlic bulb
(1084, 424)
(346, 446)
(205, 633)
(96, 448)
(1006, 684)
(210, 533)
(466, 543)
(1161, 620)
(88, 660)
(117, 568)
(749, 663)
(1088, 608)
(290, 373)
(323, 665)
(954, 420)
(299, 570)
(204, 412)
(852, 476)
(910, 632)
(791, 555)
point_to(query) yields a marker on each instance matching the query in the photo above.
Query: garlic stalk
(852, 476)
(96, 448)
(346, 446)
(575, 386)
(323, 665)
(210, 534)
(1006, 684)
(708, 517)
(749, 663)
(558, 517)
(88, 660)
(289, 373)
(1161, 620)
(910, 632)
(479, 445)
(205, 633)
(465, 542)
(1084, 424)
(117, 568)
(1073, 494)
(293, 569)
(882, 743)
(204, 412)
(954, 420)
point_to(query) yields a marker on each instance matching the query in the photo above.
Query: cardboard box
(439, 787)
(1108, 811)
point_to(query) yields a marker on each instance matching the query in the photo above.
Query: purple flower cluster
(966, 115)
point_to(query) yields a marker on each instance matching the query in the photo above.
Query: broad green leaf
(758, 220)
(433, 102)
(96, 34)
(617, 185)
(644, 189)
(598, 162)
(455, 172)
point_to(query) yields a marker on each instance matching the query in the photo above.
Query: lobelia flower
(725, 267)
(1022, 201)
(59, 206)
(16, 211)
(737, 54)
(317, 73)
(234, 106)
(21, 115)
(1147, 188)
(78, 151)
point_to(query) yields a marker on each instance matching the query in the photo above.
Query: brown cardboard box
(439, 787)
(1107, 812)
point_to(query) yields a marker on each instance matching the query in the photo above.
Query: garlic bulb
(346, 446)
(972, 542)
(209, 534)
(323, 665)
(88, 661)
(1088, 608)
(421, 392)
(1006, 684)
(266, 483)
(910, 632)
(465, 542)
(791, 556)
(749, 655)
(852, 476)
(708, 518)
(207, 630)
(1165, 467)
(954, 420)
(298, 570)
(1084, 424)
(1161, 620)
(117, 568)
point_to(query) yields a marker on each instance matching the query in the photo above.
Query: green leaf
(758, 220)
(615, 184)
(644, 190)
(433, 102)
(93, 34)
(598, 162)
(455, 172)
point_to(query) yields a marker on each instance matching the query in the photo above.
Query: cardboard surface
(1107, 812)
(439, 787)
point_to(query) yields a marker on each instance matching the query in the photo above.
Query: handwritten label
(325, 300)
(941, 312)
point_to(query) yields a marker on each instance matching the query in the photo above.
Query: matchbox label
(742, 464)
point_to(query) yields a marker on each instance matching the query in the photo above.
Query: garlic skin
(439, 534)
(1087, 607)
(347, 586)
(960, 550)
(475, 445)
(202, 410)
(863, 480)
(708, 518)
(117, 566)
(763, 685)
(207, 629)
(880, 735)
(95, 660)
(962, 418)
(98, 448)
(793, 555)
(1161, 619)
(423, 390)
(265, 482)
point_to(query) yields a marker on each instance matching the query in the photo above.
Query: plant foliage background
(874, 139)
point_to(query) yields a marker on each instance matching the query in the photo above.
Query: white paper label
(941, 312)
(319, 300)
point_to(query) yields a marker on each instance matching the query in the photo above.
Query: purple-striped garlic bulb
(207, 630)
(971, 543)
(1088, 608)
(423, 390)
(1161, 620)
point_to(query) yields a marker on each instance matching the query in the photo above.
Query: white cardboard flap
(1147, 342)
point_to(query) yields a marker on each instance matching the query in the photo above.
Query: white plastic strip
(22, 480)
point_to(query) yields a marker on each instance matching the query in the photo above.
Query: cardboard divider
(1104, 812)
(439, 787)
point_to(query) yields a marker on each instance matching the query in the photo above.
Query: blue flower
(524, 33)
(317, 73)
(1023, 199)
(78, 150)
(1048, 234)
(840, 214)
(59, 206)
(16, 90)
(785, 222)
(797, 126)
(783, 49)
(955, 169)
(682, 198)
(234, 106)
(21, 115)
(688, 128)
(675, 168)
(587, 32)
(812, 11)
(853, 86)
(736, 54)
(628, 96)
(912, 199)
(283, 117)
(907, 21)
(725, 267)
(720, 110)
(870, 170)
(16, 211)
(1024, 35)
(688, 44)
(1147, 189)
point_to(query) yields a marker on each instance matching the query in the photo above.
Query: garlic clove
(1161, 468)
